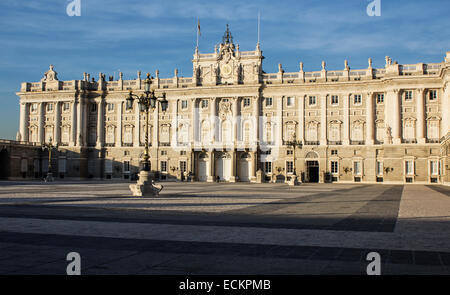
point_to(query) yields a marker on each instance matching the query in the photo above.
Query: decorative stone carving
(50, 75)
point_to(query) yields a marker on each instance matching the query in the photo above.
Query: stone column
(236, 122)
(119, 125)
(100, 124)
(233, 166)
(23, 126)
(174, 123)
(445, 103)
(301, 119)
(194, 123)
(73, 138)
(323, 119)
(213, 130)
(420, 113)
(257, 121)
(155, 142)
(79, 138)
(137, 125)
(346, 120)
(85, 125)
(57, 123)
(396, 120)
(279, 120)
(41, 123)
(254, 166)
(370, 119)
(211, 171)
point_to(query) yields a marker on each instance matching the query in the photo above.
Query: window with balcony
(357, 99)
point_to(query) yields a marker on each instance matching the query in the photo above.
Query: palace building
(231, 120)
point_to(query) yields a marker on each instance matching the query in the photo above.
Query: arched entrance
(203, 167)
(223, 166)
(4, 164)
(312, 167)
(244, 168)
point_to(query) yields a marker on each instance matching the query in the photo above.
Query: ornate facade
(233, 121)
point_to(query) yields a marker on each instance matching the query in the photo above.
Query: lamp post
(294, 143)
(50, 147)
(147, 101)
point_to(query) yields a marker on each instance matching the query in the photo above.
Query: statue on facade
(388, 135)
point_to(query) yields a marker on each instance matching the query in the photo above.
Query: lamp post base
(144, 186)
(293, 181)
(49, 177)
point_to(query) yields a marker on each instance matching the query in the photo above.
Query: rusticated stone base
(145, 186)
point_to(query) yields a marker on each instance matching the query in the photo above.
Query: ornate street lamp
(147, 101)
(294, 143)
(50, 147)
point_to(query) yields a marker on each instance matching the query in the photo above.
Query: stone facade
(232, 120)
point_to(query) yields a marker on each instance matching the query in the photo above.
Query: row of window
(357, 168)
(408, 96)
(267, 166)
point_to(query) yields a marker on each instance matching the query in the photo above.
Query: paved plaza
(225, 228)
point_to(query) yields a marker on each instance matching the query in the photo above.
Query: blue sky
(148, 35)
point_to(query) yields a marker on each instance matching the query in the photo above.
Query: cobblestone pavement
(205, 228)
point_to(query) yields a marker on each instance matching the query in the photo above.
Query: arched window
(128, 134)
(49, 134)
(226, 132)
(433, 129)
(110, 134)
(380, 133)
(246, 136)
(183, 133)
(206, 137)
(268, 133)
(358, 131)
(311, 131)
(65, 134)
(335, 131)
(290, 131)
(409, 130)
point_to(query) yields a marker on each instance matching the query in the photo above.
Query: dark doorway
(313, 171)
(4, 164)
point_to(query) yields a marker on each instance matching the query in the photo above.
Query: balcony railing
(335, 142)
(312, 142)
(433, 140)
(410, 140)
(357, 142)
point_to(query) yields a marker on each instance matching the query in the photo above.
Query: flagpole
(198, 27)
(259, 29)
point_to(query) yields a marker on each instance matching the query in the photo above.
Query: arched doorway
(4, 164)
(312, 167)
(244, 168)
(223, 167)
(203, 167)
